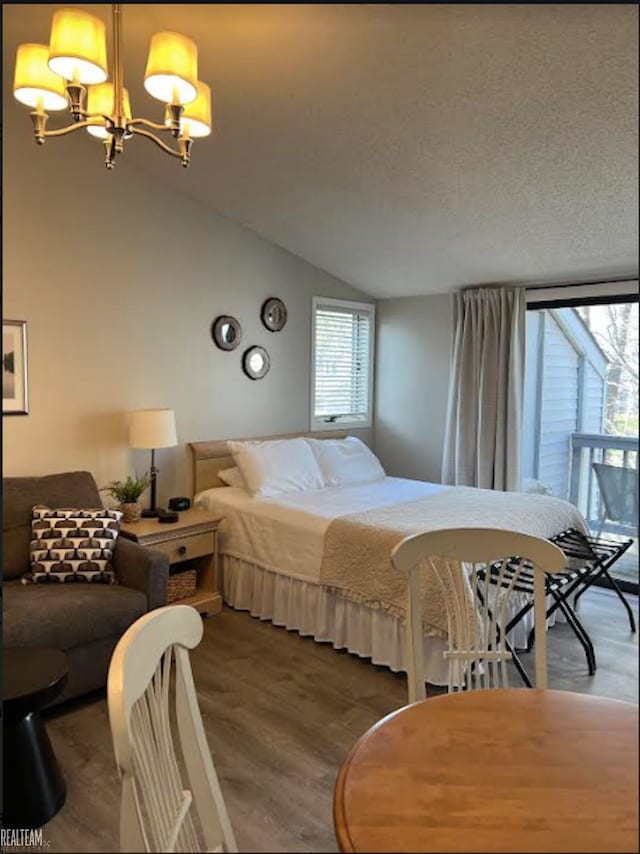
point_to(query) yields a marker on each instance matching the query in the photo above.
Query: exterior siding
(565, 392)
(559, 408)
(594, 402)
(530, 420)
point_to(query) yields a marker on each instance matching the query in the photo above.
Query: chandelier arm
(158, 142)
(69, 129)
(148, 124)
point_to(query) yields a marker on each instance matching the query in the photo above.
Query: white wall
(412, 383)
(119, 279)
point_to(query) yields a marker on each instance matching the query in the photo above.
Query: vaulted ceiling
(407, 149)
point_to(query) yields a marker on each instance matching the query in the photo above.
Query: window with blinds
(342, 363)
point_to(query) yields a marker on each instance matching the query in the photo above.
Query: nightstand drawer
(185, 548)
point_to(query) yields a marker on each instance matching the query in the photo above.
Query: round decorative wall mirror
(274, 314)
(226, 332)
(255, 362)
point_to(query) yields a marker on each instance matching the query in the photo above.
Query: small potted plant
(126, 493)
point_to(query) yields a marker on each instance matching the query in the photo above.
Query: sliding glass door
(581, 415)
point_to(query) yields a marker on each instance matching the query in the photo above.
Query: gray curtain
(484, 414)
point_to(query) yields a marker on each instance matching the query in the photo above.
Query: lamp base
(149, 513)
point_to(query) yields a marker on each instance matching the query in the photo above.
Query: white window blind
(342, 369)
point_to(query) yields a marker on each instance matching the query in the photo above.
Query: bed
(317, 561)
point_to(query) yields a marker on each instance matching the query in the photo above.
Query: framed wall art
(15, 400)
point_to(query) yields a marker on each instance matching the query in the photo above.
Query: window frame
(319, 424)
(575, 295)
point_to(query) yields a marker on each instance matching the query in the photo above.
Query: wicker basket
(181, 585)
(131, 512)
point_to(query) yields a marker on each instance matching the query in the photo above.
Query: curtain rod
(580, 284)
(532, 286)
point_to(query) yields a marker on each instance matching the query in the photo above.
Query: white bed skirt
(312, 610)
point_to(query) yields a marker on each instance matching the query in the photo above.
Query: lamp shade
(196, 117)
(100, 99)
(153, 428)
(34, 82)
(172, 68)
(78, 46)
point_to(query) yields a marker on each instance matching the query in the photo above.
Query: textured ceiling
(408, 149)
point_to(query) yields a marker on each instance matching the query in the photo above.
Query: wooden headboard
(211, 457)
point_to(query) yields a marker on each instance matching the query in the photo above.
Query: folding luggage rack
(588, 559)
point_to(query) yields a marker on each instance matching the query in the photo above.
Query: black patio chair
(619, 490)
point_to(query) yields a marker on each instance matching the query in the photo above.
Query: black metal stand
(152, 510)
(607, 553)
(33, 786)
(592, 558)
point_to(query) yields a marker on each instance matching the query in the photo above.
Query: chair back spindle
(171, 797)
(477, 571)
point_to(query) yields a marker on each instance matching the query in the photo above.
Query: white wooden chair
(151, 694)
(477, 651)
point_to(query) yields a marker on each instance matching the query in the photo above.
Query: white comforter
(286, 534)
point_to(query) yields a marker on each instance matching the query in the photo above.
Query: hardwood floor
(281, 713)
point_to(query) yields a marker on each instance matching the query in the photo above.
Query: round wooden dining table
(506, 770)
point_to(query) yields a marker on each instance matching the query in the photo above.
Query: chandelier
(71, 73)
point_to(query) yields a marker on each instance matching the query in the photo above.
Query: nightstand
(193, 541)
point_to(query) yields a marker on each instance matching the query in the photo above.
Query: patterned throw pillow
(72, 545)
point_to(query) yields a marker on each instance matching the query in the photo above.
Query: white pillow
(232, 477)
(344, 462)
(280, 465)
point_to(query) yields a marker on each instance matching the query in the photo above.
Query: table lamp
(151, 429)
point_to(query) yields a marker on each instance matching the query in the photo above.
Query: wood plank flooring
(281, 713)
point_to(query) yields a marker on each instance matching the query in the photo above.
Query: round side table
(34, 788)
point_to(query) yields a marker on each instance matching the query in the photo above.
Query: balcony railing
(589, 448)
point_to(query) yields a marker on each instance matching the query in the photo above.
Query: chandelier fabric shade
(172, 68)
(101, 99)
(34, 83)
(78, 46)
(72, 72)
(196, 117)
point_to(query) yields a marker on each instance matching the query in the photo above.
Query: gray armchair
(83, 620)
